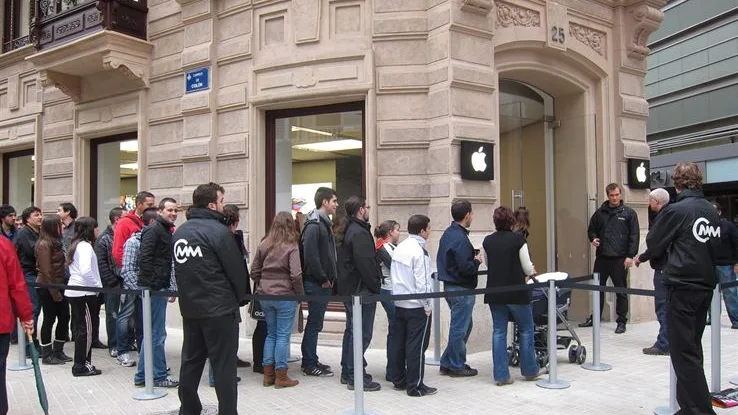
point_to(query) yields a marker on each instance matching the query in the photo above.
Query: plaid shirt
(129, 271)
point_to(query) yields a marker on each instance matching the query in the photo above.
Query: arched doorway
(549, 151)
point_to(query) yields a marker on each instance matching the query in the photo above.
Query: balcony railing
(16, 43)
(61, 21)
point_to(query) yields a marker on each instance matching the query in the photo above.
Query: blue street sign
(197, 80)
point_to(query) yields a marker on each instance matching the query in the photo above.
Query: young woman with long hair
(277, 270)
(522, 222)
(388, 235)
(51, 270)
(83, 272)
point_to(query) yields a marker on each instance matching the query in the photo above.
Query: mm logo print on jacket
(182, 251)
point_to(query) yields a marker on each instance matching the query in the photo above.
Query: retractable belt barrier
(548, 287)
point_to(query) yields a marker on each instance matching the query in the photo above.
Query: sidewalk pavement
(636, 384)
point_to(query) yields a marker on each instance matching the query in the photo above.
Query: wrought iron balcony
(61, 21)
(16, 43)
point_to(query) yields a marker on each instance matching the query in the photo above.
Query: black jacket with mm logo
(617, 228)
(685, 231)
(208, 266)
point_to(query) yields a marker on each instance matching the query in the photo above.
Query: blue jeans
(725, 274)
(158, 336)
(454, 357)
(314, 324)
(389, 308)
(35, 301)
(660, 304)
(280, 317)
(367, 329)
(523, 316)
(127, 310)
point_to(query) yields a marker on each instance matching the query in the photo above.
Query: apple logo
(477, 160)
(641, 173)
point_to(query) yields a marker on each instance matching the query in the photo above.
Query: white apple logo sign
(477, 160)
(641, 173)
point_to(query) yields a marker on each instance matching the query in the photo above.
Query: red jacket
(127, 226)
(13, 292)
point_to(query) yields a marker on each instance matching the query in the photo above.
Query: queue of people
(205, 260)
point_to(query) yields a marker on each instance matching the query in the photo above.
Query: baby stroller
(539, 304)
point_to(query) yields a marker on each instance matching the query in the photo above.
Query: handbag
(255, 310)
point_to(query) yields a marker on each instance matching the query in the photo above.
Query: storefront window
(114, 176)
(312, 148)
(18, 179)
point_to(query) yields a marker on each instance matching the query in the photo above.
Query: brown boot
(283, 381)
(268, 375)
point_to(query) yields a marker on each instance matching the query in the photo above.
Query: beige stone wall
(427, 71)
(20, 106)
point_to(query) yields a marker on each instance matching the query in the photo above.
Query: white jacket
(411, 272)
(83, 271)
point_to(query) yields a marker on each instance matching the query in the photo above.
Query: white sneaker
(114, 353)
(126, 360)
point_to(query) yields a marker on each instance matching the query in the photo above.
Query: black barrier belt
(616, 290)
(327, 298)
(104, 290)
(725, 286)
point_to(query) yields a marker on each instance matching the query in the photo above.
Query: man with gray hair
(658, 198)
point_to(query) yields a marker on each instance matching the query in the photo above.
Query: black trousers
(686, 314)
(82, 330)
(609, 267)
(412, 335)
(4, 348)
(53, 312)
(95, 316)
(214, 338)
(257, 343)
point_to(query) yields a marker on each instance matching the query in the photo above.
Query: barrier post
(149, 392)
(358, 358)
(673, 405)
(21, 364)
(596, 365)
(553, 382)
(436, 360)
(715, 339)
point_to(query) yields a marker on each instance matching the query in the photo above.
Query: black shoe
(242, 363)
(324, 367)
(423, 390)
(399, 386)
(587, 322)
(317, 371)
(52, 359)
(259, 369)
(88, 370)
(655, 351)
(97, 344)
(620, 329)
(462, 373)
(368, 386)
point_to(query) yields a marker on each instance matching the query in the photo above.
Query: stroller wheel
(514, 358)
(572, 354)
(581, 354)
(542, 360)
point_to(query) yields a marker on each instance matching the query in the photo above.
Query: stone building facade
(561, 82)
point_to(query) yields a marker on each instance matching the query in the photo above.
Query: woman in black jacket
(508, 263)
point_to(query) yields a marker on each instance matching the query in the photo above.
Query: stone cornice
(482, 7)
(16, 56)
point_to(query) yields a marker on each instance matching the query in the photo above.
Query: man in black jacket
(25, 244)
(155, 273)
(613, 230)
(110, 277)
(656, 201)
(358, 274)
(726, 256)
(687, 231)
(210, 271)
(318, 249)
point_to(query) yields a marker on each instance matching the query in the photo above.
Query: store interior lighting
(331, 146)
